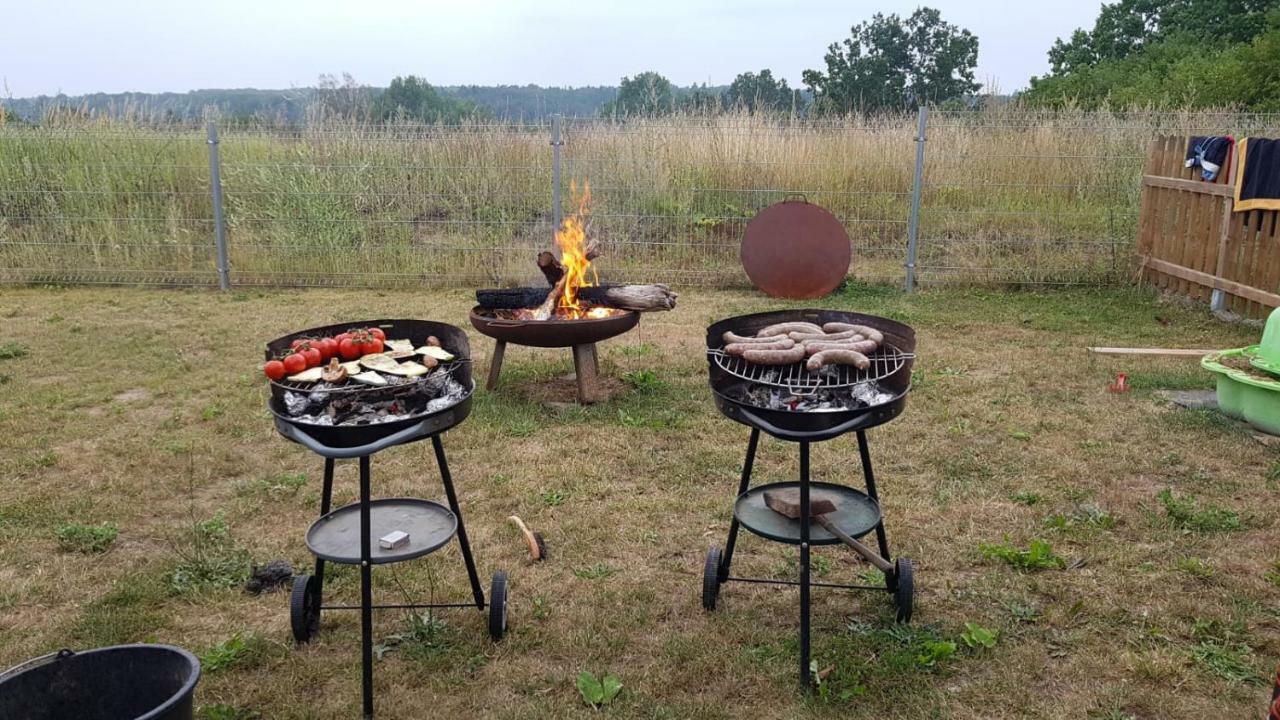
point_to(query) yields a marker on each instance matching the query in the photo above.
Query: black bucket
(123, 682)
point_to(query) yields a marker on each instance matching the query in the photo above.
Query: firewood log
(630, 297)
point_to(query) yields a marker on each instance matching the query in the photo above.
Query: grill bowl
(811, 426)
(340, 436)
(553, 333)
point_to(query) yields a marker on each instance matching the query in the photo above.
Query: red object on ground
(1275, 698)
(1120, 385)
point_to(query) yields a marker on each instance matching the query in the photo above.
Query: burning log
(548, 305)
(553, 270)
(642, 298)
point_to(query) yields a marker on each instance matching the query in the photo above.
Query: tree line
(1154, 53)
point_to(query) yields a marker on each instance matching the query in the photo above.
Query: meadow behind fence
(1008, 197)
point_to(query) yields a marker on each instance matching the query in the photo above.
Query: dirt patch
(132, 396)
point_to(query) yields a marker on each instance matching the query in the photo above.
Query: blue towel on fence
(1209, 153)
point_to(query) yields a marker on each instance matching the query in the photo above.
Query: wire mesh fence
(1007, 197)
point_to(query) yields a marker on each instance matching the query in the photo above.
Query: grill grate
(797, 379)
(351, 387)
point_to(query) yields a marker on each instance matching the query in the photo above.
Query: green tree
(893, 64)
(1168, 53)
(646, 95)
(1128, 26)
(760, 91)
(412, 98)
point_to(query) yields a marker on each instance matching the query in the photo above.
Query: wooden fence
(1190, 242)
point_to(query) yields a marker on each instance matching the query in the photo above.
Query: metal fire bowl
(553, 333)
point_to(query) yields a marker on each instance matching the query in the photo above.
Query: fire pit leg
(495, 364)
(587, 367)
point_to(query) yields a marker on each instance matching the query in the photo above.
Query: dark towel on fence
(1209, 153)
(1258, 175)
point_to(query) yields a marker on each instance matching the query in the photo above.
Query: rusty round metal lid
(795, 249)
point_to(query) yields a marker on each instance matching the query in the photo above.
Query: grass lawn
(141, 473)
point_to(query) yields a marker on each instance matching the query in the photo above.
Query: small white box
(393, 540)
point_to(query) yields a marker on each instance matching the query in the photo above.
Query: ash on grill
(402, 398)
(771, 397)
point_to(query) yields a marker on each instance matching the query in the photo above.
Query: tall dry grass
(1009, 196)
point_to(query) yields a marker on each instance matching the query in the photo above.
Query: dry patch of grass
(144, 411)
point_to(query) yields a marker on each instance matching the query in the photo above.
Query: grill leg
(447, 479)
(865, 453)
(495, 364)
(366, 592)
(742, 487)
(326, 499)
(805, 678)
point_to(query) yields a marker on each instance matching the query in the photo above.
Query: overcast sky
(80, 46)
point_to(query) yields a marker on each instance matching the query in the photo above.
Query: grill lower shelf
(855, 513)
(336, 536)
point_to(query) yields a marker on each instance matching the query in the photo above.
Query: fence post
(913, 222)
(556, 143)
(219, 228)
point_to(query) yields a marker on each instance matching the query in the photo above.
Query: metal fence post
(219, 228)
(913, 222)
(556, 143)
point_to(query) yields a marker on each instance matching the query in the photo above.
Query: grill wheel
(711, 579)
(304, 607)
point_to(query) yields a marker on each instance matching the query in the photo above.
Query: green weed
(235, 650)
(1233, 662)
(1195, 567)
(426, 638)
(1025, 497)
(1188, 515)
(11, 350)
(977, 637)
(645, 381)
(554, 498)
(599, 571)
(222, 711)
(598, 691)
(1038, 556)
(209, 560)
(74, 537)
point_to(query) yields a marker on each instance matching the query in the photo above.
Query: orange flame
(571, 238)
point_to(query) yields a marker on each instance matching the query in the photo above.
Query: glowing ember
(587, 312)
(571, 238)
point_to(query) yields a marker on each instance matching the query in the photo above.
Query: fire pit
(580, 334)
(576, 312)
(794, 403)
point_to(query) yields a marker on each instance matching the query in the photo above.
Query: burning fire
(571, 238)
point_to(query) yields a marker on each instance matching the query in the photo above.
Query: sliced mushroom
(334, 372)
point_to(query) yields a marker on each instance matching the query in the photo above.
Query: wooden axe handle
(867, 553)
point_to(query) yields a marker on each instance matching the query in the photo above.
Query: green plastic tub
(1252, 396)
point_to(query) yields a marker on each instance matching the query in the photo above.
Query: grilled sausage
(849, 335)
(775, 357)
(740, 348)
(861, 346)
(841, 356)
(870, 333)
(732, 337)
(786, 327)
